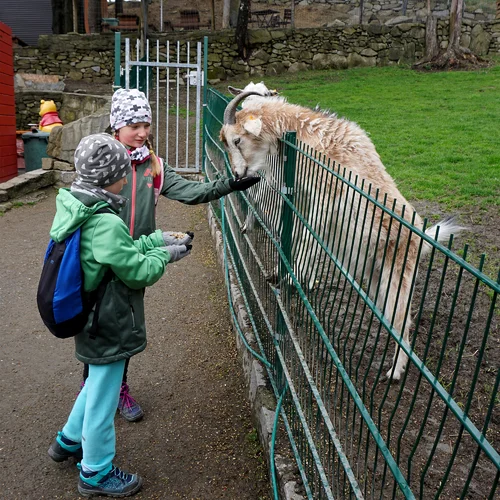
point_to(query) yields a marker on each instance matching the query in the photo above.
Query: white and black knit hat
(127, 107)
(101, 160)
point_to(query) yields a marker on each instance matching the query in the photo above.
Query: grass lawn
(438, 134)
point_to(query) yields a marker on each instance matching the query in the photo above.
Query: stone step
(26, 183)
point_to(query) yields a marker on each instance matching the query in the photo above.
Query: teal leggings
(91, 421)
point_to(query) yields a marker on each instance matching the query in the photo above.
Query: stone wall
(77, 57)
(381, 11)
(70, 106)
(90, 57)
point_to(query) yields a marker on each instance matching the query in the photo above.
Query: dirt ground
(196, 441)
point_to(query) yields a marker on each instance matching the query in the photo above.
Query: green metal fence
(320, 319)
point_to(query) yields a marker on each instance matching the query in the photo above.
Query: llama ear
(253, 125)
(234, 90)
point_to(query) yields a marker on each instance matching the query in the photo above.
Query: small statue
(50, 118)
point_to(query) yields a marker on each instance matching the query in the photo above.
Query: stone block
(275, 68)
(47, 163)
(29, 81)
(64, 140)
(62, 165)
(4, 196)
(357, 60)
(298, 67)
(64, 178)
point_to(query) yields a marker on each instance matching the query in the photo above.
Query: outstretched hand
(177, 252)
(243, 183)
(176, 238)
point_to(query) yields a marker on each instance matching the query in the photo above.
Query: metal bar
(199, 82)
(127, 63)
(205, 101)
(177, 107)
(167, 109)
(137, 56)
(118, 51)
(157, 131)
(147, 72)
(177, 65)
(188, 85)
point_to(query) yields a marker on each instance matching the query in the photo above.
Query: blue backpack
(62, 302)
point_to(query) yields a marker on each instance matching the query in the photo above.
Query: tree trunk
(144, 26)
(498, 10)
(456, 12)
(213, 15)
(242, 30)
(62, 17)
(431, 45)
(118, 7)
(226, 10)
(75, 16)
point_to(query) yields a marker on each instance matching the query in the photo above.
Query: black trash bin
(35, 148)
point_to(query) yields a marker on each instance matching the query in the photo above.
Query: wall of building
(8, 151)
(28, 19)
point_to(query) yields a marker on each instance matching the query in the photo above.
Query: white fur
(260, 124)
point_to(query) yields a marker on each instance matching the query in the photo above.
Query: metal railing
(319, 310)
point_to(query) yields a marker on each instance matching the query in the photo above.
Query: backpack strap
(101, 289)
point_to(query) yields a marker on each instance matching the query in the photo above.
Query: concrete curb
(262, 399)
(22, 185)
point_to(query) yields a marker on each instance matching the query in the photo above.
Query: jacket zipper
(133, 316)
(132, 209)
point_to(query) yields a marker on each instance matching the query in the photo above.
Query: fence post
(118, 50)
(289, 160)
(205, 103)
(287, 188)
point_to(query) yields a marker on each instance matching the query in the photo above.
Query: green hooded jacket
(106, 243)
(139, 213)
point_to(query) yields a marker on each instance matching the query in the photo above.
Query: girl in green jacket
(130, 121)
(103, 164)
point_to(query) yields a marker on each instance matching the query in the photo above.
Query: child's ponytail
(155, 162)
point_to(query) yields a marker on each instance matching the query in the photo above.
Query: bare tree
(118, 7)
(453, 56)
(144, 26)
(431, 45)
(242, 39)
(226, 10)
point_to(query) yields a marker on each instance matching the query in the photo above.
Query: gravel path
(196, 441)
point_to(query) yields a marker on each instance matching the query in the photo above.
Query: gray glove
(177, 252)
(176, 238)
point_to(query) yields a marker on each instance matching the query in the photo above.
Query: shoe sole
(61, 458)
(91, 493)
(135, 419)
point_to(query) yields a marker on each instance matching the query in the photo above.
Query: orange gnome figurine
(50, 118)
